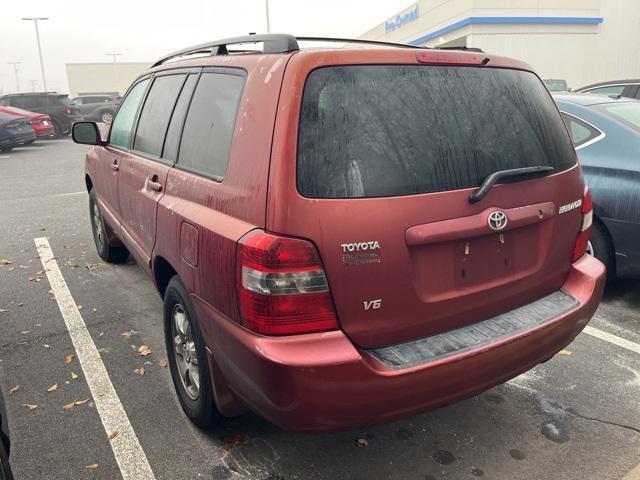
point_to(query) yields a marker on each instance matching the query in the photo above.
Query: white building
(102, 78)
(580, 41)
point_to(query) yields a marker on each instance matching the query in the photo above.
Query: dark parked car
(97, 108)
(622, 88)
(5, 443)
(606, 133)
(63, 112)
(365, 234)
(15, 131)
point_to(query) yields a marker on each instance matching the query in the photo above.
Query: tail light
(282, 287)
(582, 240)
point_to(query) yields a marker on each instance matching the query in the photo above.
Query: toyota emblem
(497, 220)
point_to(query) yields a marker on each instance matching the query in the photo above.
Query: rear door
(143, 171)
(387, 156)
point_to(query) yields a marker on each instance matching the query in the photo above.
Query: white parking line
(607, 337)
(83, 192)
(126, 448)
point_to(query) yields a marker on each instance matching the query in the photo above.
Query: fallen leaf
(140, 371)
(128, 333)
(80, 402)
(163, 363)
(52, 388)
(144, 350)
(101, 334)
(73, 376)
(5, 261)
(2, 310)
(45, 345)
(113, 435)
(11, 269)
(69, 406)
(79, 307)
(362, 442)
(38, 324)
(94, 310)
(30, 406)
(565, 352)
(13, 390)
(68, 358)
(93, 466)
(91, 266)
(26, 332)
(24, 267)
(20, 305)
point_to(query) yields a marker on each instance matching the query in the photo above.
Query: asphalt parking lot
(576, 416)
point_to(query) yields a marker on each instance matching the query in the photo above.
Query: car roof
(609, 82)
(588, 99)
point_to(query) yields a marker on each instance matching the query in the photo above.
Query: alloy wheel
(184, 350)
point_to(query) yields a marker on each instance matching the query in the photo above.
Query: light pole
(115, 69)
(33, 85)
(266, 4)
(114, 55)
(35, 22)
(15, 69)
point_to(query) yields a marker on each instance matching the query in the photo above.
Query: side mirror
(87, 133)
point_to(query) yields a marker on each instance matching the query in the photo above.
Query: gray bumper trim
(473, 336)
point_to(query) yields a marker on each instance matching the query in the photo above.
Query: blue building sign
(401, 20)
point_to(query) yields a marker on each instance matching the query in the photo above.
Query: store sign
(401, 20)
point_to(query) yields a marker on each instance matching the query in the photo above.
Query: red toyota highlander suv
(345, 236)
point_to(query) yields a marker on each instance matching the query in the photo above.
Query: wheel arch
(163, 272)
(88, 182)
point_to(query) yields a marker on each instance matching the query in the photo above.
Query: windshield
(368, 131)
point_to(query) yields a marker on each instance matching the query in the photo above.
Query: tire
(6, 149)
(57, 130)
(106, 117)
(106, 251)
(29, 142)
(181, 329)
(600, 246)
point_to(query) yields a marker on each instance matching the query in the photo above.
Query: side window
(612, 90)
(156, 114)
(123, 123)
(172, 141)
(208, 129)
(581, 132)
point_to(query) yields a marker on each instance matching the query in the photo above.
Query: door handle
(154, 184)
(114, 166)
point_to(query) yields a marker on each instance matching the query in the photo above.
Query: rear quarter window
(208, 127)
(369, 131)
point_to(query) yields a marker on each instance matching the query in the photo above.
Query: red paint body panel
(322, 382)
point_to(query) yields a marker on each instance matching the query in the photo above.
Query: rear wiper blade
(496, 177)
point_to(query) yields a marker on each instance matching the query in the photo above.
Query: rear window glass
(368, 131)
(208, 128)
(628, 113)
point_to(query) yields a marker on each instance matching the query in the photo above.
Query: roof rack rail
(272, 43)
(466, 49)
(357, 40)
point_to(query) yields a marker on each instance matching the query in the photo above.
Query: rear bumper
(322, 382)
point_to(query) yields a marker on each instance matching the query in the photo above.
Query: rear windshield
(370, 131)
(627, 113)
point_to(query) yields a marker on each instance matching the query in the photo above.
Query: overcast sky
(84, 31)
